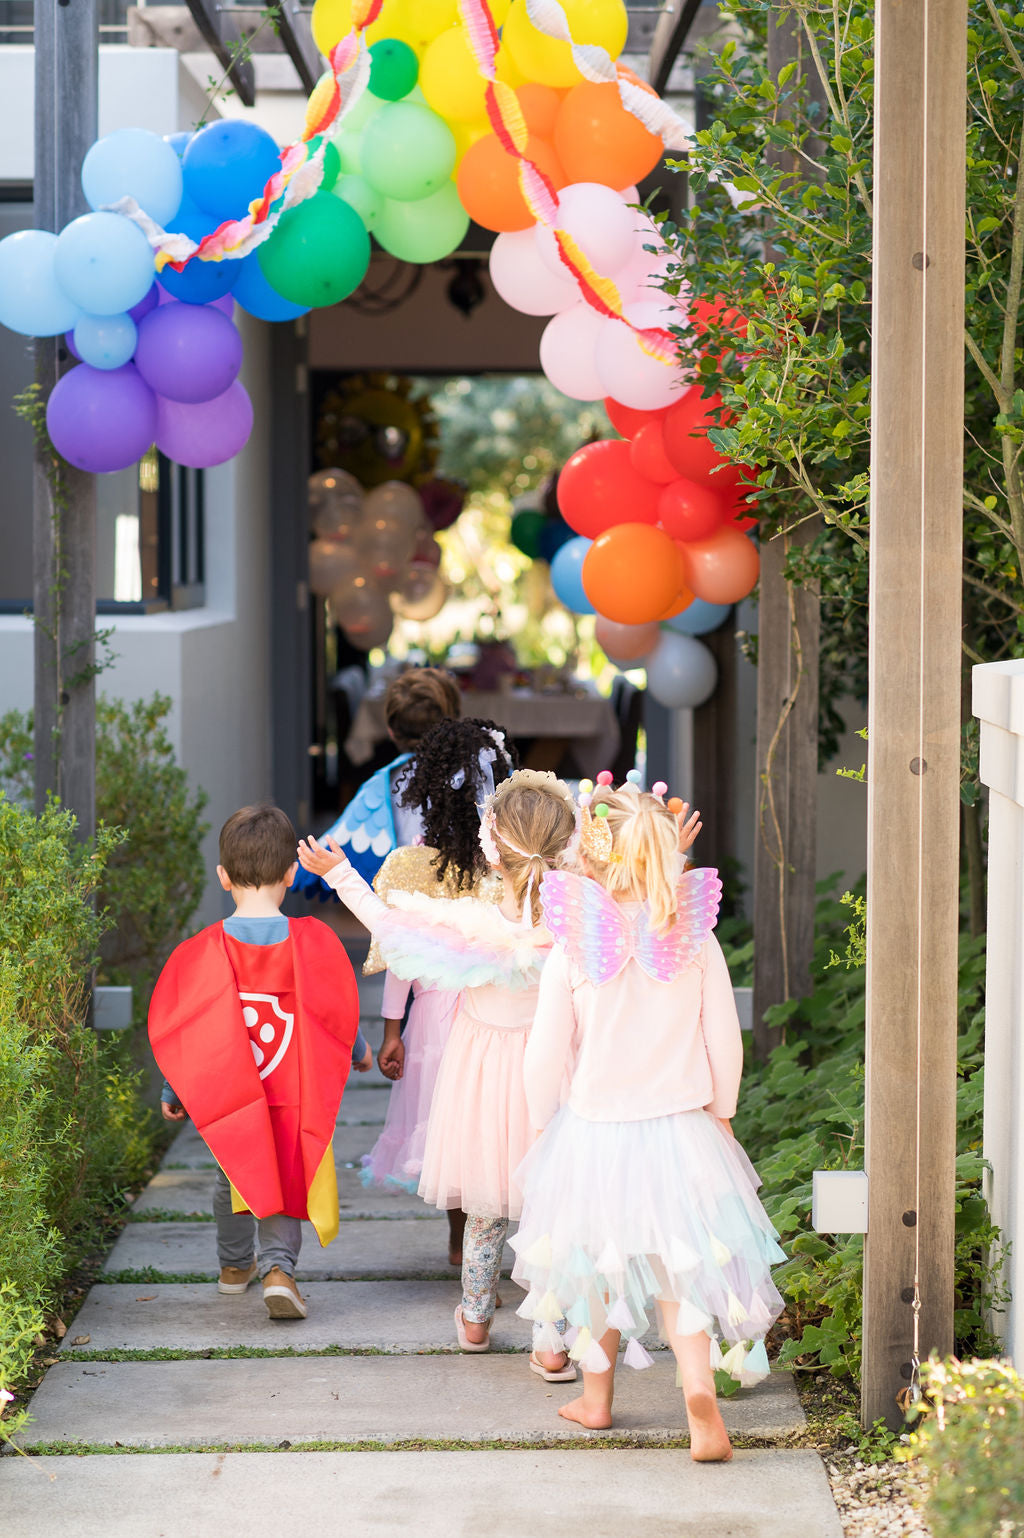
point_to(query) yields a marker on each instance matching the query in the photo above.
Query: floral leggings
(482, 1244)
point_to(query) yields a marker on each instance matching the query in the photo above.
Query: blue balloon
(254, 293)
(226, 165)
(104, 263)
(132, 162)
(201, 282)
(555, 533)
(180, 142)
(699, 618)
(32, 301)
(105, 341)
(567, 575)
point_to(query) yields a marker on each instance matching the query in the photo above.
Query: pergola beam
(917, 436)
(670, 34)
(221, 32)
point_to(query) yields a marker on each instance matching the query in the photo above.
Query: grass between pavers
(592, 1441)
(235, 1353)
(147, 1274)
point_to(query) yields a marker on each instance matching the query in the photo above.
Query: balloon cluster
(373, 555)
(661, 549)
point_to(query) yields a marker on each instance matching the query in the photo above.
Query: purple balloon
(69, 343)
(205, 434)
(144, 306)
(226, 302)
(102, 420)
(188, 352)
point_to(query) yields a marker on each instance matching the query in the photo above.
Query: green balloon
(332, 161)
(358, 194)
(526, 530)
(408, 152)
(318, 253)
(424, 231)
(394, 69)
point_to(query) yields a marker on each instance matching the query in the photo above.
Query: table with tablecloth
(580, 722)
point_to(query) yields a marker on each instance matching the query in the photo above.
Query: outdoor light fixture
(466, 289)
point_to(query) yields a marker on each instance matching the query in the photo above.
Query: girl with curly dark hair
(457, 765)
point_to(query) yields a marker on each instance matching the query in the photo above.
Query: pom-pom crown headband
(595, 834)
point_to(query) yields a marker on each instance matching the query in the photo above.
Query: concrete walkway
(363, 1417)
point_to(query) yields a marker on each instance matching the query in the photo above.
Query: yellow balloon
(332, 20)
(542, 59)
(467, 134)
(424, 19)
(450, 80)
(499, 10)
(507, 70)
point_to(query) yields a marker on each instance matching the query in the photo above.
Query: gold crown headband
(595, 833)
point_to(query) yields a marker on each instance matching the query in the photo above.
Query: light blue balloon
(567, 575)
(699, 618)
(254, 293)
(200, 282)
(32, 301)
(105, 341)
(132, 162)
(104, 263)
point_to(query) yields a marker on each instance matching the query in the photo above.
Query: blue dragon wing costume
(365, 830)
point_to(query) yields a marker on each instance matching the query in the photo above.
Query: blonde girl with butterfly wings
(637, 1194)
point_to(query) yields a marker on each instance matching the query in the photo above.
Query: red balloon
(598, 488)
(717, 312)
(633, 574)
(647, 451)
(685, 430)
(626, 420)
(690, 510)
(722, 568)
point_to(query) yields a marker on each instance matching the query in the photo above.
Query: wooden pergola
(914, 713)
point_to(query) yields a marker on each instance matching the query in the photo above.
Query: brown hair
(416, 701)
(644, 863)
(257, 845)
(534, 821)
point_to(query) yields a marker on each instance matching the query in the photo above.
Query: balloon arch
(512, 113)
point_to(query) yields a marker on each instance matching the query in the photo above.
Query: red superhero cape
(262, 1075)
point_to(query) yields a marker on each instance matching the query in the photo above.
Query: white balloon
(568, 353)
(639, 279)
(335, 504)
(524, 280)
(363, 612)
(681, 672)
(330, 564)
(601, 224)
(631, 375)
(421, 595)
(397, 502)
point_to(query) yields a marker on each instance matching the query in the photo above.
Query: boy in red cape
(253, 1021)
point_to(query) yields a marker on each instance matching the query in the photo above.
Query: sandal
(465, 1344)
(566, 1374)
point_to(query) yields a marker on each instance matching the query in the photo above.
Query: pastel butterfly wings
(601, 936)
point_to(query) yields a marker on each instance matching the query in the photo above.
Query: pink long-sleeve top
(643, 1048)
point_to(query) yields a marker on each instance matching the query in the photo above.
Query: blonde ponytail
(644, 861)
(534, 819)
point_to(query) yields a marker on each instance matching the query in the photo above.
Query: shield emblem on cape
(270, 1029)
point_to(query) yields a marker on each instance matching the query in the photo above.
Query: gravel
(876, 1500)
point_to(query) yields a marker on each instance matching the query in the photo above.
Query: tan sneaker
(282, 1297)
(236, 1278)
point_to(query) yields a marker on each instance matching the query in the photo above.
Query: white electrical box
(839, 1202)
(111, 1009)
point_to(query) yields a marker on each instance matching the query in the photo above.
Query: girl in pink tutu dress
(457, 766)
(637, 1193)
(479, 1128)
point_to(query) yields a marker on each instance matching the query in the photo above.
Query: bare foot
(709, 1440)
(477, 1333)
(594, 1417)
(552, 1361)
(455, 1257)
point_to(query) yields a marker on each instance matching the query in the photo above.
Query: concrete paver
(364, 1248)
(192, 1191)
(407, 1315)
(656, 1493)
(350, 1142)
(378, 1399)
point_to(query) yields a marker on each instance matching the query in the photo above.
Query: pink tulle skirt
(479, 1128)
(396, 1158)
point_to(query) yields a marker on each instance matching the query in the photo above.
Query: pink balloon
(625, 645)
(722, 568)
(602, 225)
(639, 279)
(206, 434)
(524, 281)
(628, 373)
(567, 352)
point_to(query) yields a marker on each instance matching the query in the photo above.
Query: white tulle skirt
(617, 1215)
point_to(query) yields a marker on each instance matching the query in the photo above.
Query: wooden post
(914, 687)
(714, 754)
(785, 847)
(64, 529)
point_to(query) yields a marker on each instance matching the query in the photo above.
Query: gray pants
(280, 1237)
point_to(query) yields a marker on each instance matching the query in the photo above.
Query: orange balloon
(540, 104)
(633, 574)
(597, 140)
(720, 569)
(488, 182)
(683, 601)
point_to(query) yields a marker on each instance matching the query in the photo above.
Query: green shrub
(73, 1131)
(970, 1447)
(789, 1133)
